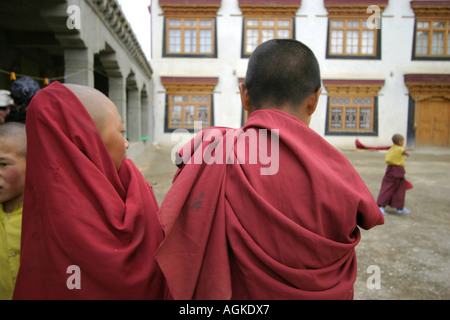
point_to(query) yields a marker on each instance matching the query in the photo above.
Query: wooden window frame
(431, 11)
(188, 87)
(190, 10)
(188, 103)
(360, 30)
(430, 30)
(351, 104)
(350, 91)
(182, 28)
(260, 27)
(347, 10)
(267, 10)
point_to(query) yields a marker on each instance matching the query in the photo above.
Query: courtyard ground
(411, 252)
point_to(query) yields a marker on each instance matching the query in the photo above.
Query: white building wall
(397, 29)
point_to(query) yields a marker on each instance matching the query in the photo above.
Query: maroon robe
(393, 188)
(232, 232)
(83, 223)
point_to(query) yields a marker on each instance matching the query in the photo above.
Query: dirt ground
(411, 252)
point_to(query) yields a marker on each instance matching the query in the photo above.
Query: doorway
(432, 123)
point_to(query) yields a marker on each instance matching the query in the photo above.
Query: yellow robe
(10, 231)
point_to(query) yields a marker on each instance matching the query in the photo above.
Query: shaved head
(99, 107)
(16, 133)
(282, 72)
(106, 118)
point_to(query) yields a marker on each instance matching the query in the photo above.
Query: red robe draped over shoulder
(232, 232)
(88, 232)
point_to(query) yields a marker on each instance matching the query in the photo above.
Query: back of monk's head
(15, 132)
(282, 72)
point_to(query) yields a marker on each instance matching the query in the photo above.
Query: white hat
(5, 98)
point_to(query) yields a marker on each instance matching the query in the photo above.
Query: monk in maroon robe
(271, 210)
(90, 224)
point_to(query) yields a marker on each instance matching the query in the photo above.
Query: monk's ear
(313, 101)
(245, 98)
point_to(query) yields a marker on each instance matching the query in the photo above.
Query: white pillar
(134, 116)
(79, 66)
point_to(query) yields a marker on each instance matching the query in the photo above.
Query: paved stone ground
(411, 251)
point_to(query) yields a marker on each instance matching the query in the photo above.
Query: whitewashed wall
(311, 23)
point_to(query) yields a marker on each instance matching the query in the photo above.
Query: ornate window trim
(269, 8)
(352, 8)
(197, 8)
(428, 86)
(427, 9)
